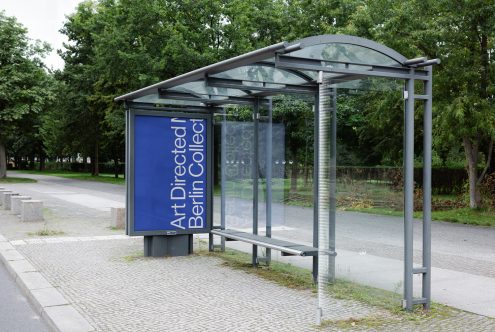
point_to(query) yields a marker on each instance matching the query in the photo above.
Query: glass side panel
(236, 167)
(363, 176)
(344, 53)
(262, 74)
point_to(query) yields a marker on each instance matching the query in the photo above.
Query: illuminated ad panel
(170, 175)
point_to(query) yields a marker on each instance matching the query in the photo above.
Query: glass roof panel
(155, 99)
(344, 53)
(200, 88)
(260, 73)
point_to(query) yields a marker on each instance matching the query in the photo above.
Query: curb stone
(56, 311)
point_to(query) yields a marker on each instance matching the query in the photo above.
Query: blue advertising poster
(170, 174)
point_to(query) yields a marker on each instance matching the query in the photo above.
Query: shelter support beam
(408, 193)
(355, 69)
(315, 184)
(223, 179)
(427, 138)
(332, 182)
(268, 172)
(425, 270)
(255, 176)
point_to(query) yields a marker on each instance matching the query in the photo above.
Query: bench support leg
(211, 244)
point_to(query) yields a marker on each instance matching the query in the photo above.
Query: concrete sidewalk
(114, 288)
(105, 284)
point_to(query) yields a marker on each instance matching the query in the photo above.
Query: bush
(487, 189)
(107, 167)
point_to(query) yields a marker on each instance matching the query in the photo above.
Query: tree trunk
(96, 161)
(42, 161)
(306, 175)
(116, 167)
(293, 177)
(471, 151)
(3, 161)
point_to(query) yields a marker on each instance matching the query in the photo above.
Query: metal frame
(255, 94)
(132, 113)
(256, 176)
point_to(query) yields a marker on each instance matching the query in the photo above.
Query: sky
(43, 19)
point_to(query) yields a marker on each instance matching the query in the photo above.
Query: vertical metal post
(223, 179)
(269, 165)
(427, 138)
(332, 184)
(210, 179)
(408, 193)
(324, 147)
(315, 184)
(127, 165)
(255, 171)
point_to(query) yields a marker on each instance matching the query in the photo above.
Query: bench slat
(263, 241)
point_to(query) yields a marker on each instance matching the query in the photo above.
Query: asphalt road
(16, 314)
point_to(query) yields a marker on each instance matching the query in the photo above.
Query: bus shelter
(179, 116)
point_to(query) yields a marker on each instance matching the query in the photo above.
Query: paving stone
(171, 294)
(67, 319)
(11, 255)
(32, 280)
(35, 241)
(18, 242)
(116, 289)
(6, 245)
(48, 297)
(22, 265)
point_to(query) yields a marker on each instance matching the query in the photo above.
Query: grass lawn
(481, 217)
(467, 216)
(107, 178)
(17, 180)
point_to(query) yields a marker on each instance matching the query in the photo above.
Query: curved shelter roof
(280, 68)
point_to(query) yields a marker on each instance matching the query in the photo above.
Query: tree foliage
(117, 46)
(23, 89)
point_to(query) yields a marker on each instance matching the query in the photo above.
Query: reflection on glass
(344, 53)
(262, 73)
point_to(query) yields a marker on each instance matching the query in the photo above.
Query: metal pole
(211, 181)
(255, 171)
(332, 184)
(427, 138)
(408, 193)
(223, 180)
(127, 169)
(324, 147)
(269, 165)
(315, 184)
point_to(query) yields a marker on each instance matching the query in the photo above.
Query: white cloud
(43, 19)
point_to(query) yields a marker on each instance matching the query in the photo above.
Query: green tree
(461, 34)
(22, 78)
(83, 128)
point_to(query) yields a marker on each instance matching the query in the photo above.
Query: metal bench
(287, 248)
